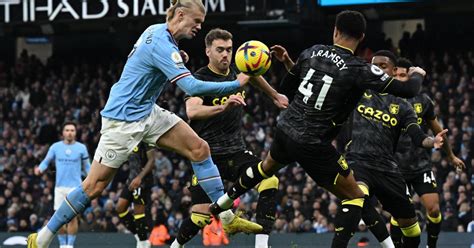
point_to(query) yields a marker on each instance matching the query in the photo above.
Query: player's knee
(433, 210)
(200, 219)
(199, 151)
(269, 183)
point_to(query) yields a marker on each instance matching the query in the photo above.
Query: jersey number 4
(306, 89)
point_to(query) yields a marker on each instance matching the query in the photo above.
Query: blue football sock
(74, 203)
(62, 239)
(71, 239)
(209, 178)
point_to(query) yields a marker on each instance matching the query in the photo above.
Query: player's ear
(361, 38)
(208, 51)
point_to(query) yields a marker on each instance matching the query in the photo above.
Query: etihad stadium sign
(14, 11)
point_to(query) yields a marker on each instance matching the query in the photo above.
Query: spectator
(213, 234)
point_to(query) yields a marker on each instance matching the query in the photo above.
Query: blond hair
(191, 4)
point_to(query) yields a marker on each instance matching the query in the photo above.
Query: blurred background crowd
(37, 98)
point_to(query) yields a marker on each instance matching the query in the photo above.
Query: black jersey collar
(218, 73)
(345, 48)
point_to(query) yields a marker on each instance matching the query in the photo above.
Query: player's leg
(258, 172)
(374, 221)
(122, 208)
(72, 228)
(395, 197)
(179, 137)
(200, 217)
(350, 211)
(266, 209)
(425, 186)
(370, 216)
(98, 178)
(139, 203)
(59, 194)
(396, 233)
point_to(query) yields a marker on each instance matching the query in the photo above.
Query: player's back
(142, 81)
(332, 80)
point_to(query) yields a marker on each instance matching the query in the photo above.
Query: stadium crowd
(37, 98)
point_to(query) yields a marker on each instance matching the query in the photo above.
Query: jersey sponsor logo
(418, 108)
(394, 108)
(110, 154)
(176, 57)
(222, 100)
(378, 115)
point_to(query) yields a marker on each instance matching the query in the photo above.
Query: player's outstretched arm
(280, 100)
(45, 163)
(421, 139)
(195, 87)
(409, 88)
(455, 161)
(195, 110)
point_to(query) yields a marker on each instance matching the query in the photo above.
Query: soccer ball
(253, 58)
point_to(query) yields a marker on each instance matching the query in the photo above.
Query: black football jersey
(413, 159)
(330, 80)
(223, 132)
(376, 127)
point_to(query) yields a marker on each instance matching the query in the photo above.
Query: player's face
(401, 74)
(384, 63)
(69, 133)
(220, 54)
(190, 22)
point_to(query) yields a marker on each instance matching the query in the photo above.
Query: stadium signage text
(50, 10)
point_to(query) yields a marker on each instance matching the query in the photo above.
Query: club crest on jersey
(68, 152)
(343, 163)
(418, 108)
(394, 108)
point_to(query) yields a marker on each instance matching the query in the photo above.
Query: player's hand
(281, 101)
(438, 140)
(135, 183)
(37, 170)
(234, 101)
(279, 53)
(184, 56)
(457, 163)
(416, 69)
(243, 79)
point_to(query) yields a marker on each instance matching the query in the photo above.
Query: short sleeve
(166, 58)
(374, 78)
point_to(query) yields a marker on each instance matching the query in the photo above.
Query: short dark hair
(386, 53)
(351, 23)
(69, 123)
(217, 34)
(404, 63)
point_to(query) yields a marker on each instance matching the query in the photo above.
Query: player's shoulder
(426, 98)
(202, 72)
(81, 145)
(57, 144)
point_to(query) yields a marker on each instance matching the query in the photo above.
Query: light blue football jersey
(69, 159)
